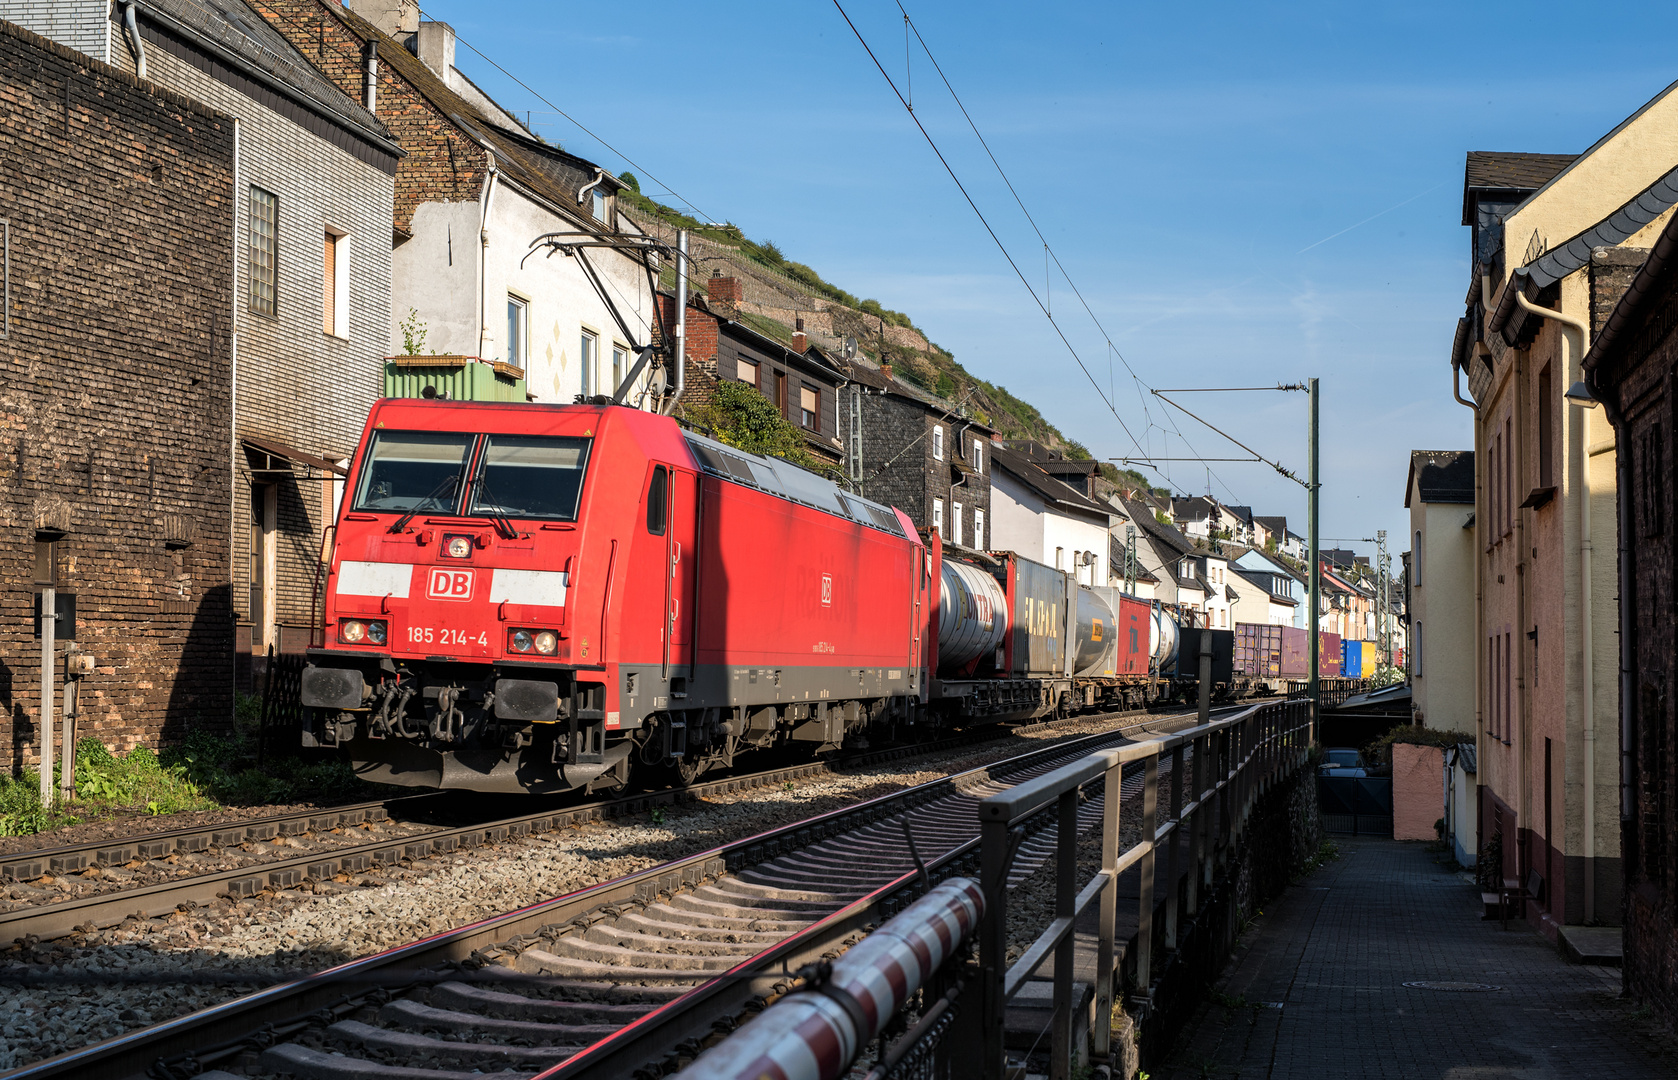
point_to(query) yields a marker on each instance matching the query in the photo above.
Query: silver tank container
(1163, 637)
(1092, 651)
(972, 615)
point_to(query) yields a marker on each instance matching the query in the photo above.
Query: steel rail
(106, 909)
(131, 1054)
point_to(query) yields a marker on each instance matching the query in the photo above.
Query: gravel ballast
(146, 970)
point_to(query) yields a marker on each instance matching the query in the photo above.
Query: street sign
(66, 628)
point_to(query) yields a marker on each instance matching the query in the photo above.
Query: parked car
(1341, 761)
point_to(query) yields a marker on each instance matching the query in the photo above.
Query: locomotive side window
(531, 476)
(658, 500)
(413, 470)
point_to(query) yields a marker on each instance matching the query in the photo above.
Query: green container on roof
(456, 378)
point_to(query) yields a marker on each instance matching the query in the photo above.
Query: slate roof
(1032, 476)
(1194, 509)
(1517, 170)
(1115, 561)
(1628, 315)
(234, 28)
(1276, 526)
(1441, 476)
(1172, 538)
(874, 377)
(1252, 578)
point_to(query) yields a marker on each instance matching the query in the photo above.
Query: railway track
(284, 851)
(605, 979)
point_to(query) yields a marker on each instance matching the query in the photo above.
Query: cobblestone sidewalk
(1317, 989)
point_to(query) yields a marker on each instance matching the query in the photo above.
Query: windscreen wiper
(449, 483)
(503, 524)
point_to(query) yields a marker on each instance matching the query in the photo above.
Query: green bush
(20, 805)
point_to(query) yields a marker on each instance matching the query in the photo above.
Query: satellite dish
(850, 348)
(657, 382)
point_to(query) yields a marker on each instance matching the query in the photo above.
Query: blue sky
(1244, 194)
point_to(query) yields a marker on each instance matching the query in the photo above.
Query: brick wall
(80, 24)
(115, 389)
(1418, 790)
(1638, 383)
(297, 385)
(442, 165)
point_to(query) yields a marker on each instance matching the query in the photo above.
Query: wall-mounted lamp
(1580, 394)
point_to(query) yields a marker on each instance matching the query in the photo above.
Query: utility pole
(1313, 487)
(1383, 600)
(1130, 559)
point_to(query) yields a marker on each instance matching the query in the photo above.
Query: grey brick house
(310, 275)
(917, 452)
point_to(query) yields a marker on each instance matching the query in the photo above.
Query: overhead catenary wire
(1048, 250)
(1006, 254)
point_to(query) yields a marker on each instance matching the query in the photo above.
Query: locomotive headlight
(547, 642)
(457, 547)
(522, 641)
(376, 631)
(352, 631)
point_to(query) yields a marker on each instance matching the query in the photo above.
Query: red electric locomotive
(536, 598)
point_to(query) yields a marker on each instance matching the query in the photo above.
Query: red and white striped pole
(815, 1034)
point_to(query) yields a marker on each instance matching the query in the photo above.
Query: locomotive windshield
(413, 470)
(530, 476)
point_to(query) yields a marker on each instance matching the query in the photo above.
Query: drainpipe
(582, 192)
(1628, 616)
(370, 97)
(1587, 688)
(1456, 387)
(681, 318)
(483, 246)
(133, 25)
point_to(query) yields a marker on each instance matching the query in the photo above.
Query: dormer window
(600, 205)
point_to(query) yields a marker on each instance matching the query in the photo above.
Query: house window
(938, 516)
(601, 205)
(1416, 570)
(1508, 476)
(588, 351)
(620, 364)
(1183, 569)
(955, 521)
(978, 456)
(1546, 434)
(979, 530)
(1060, 558)
(809, 407)
(937, 442)
(518, 324)
(335, 284)
(746, 372)
(264, 252)
(1416, 652)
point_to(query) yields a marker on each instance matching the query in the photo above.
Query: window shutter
(329, 285)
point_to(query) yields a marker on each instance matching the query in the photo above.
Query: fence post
(1173, 868)
(1145, 886)
(1106, 945)
(1066, 899)
(1196, 820)
(993, 941)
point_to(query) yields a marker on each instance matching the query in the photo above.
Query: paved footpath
(1316, 989)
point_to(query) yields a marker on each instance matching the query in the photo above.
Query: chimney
(434, 45)
(800, 340)
(885, 368)
(398, 18)
(725, 294)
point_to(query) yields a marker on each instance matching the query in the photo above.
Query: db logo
(827, 590)
(450, 585)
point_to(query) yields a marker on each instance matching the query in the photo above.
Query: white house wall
(436, 275)
(1020, 523)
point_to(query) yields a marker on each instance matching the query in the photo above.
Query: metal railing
(1218, 770)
